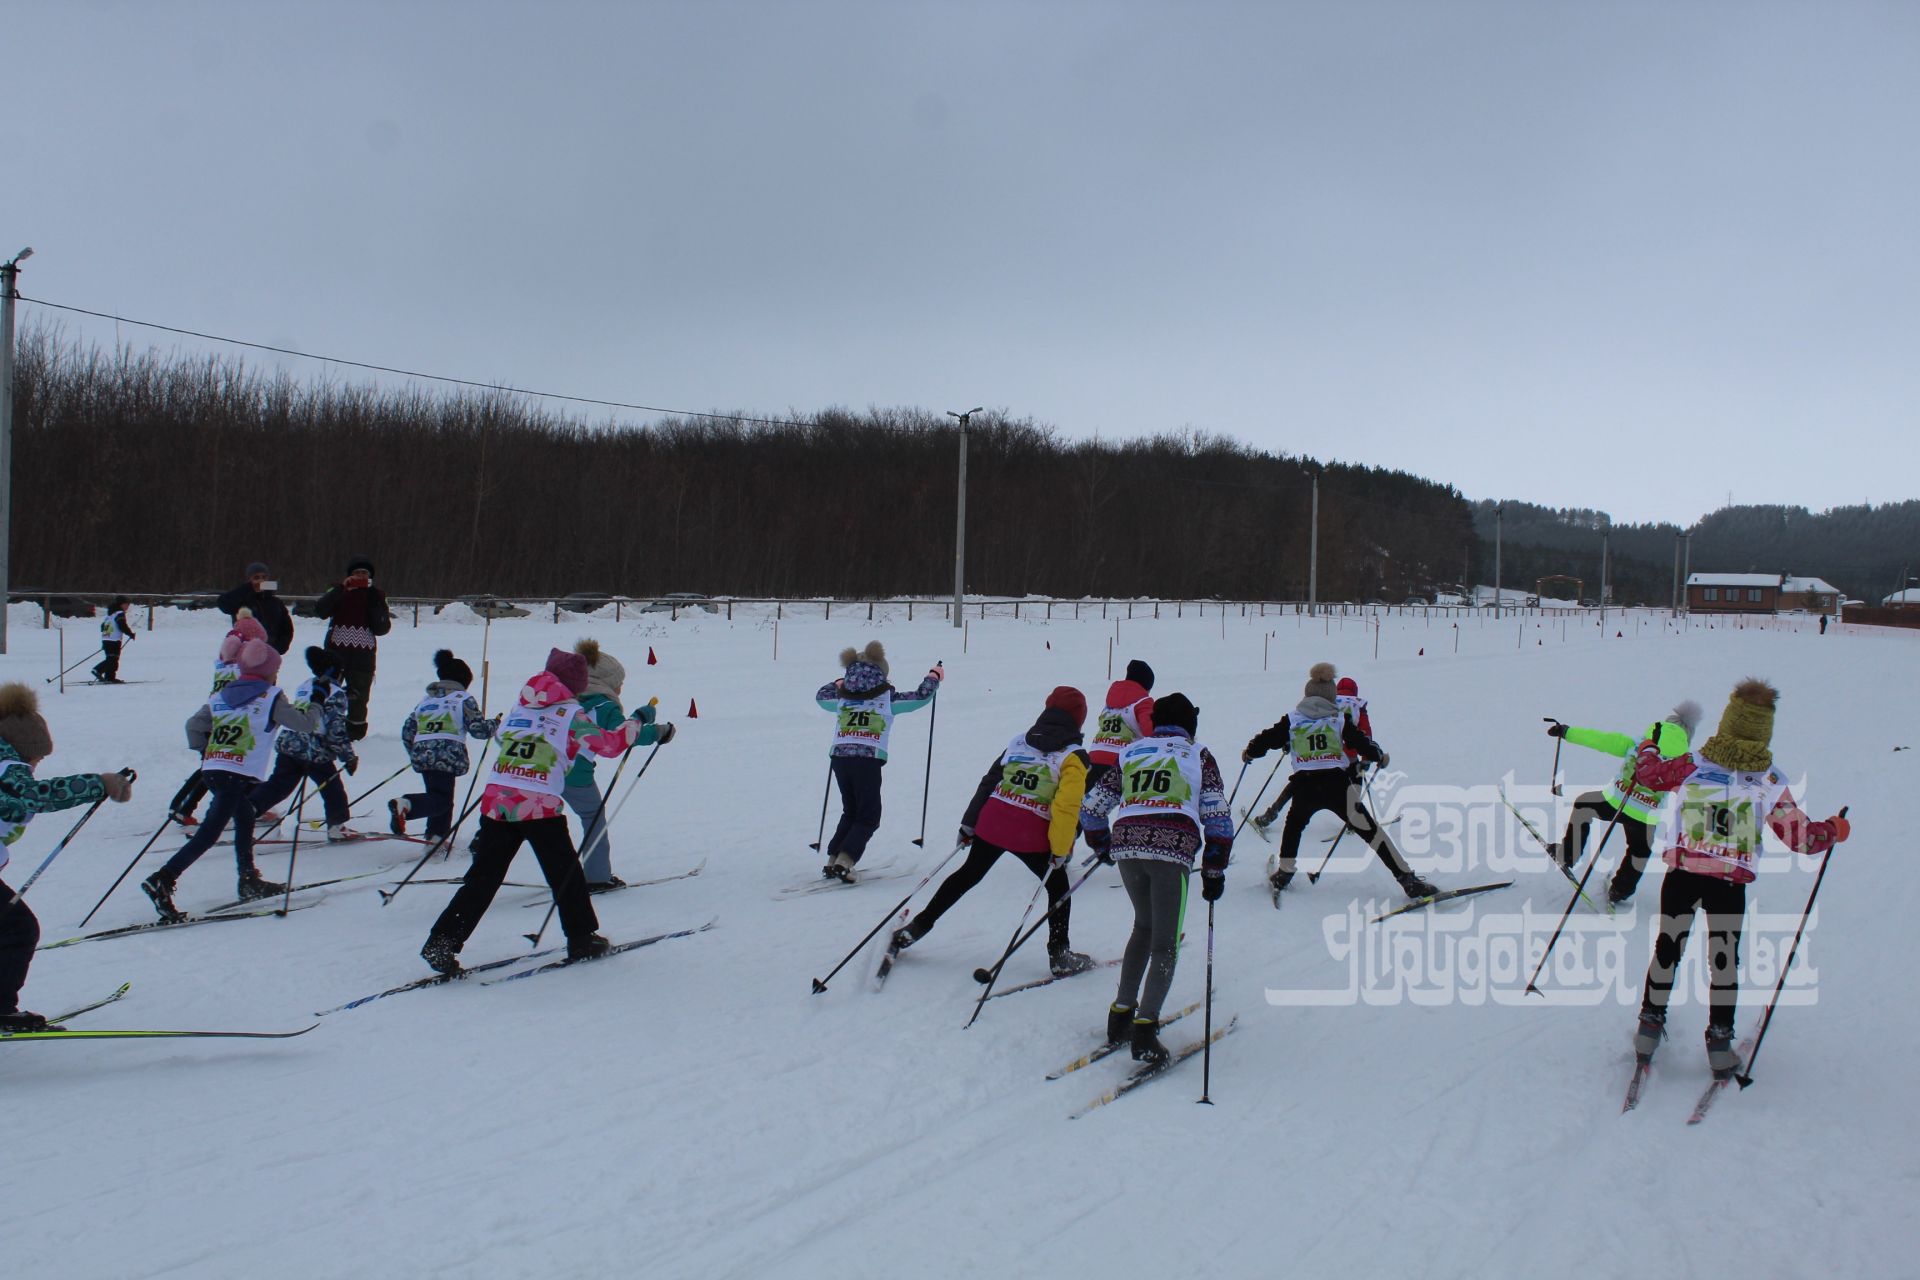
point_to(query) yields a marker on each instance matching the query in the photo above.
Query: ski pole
(1579, 889)
(1766, 1019)
(300, 802)
(151, 840)
(50, 679)
(376, 786)
(1559, 741)
(1244, 766)
(926, 783)
(994, 975)
(824, 794)
(592, 833)
(435, 847)
(1206, 1054)
(1255, 802)
(820, 984)
(293, 858)
(466, 803)
(66, 840)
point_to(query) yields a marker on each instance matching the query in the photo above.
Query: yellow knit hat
(1745, 737)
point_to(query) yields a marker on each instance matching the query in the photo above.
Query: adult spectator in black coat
(257, 595)
(356, 613)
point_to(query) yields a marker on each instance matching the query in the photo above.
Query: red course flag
(651, 660)
(693, 709)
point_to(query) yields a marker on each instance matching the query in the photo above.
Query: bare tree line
(138, 471)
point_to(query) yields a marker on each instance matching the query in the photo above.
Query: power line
(414, 373)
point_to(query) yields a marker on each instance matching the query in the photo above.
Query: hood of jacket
(1053, 731)
(864, 678)
(1316, 708)
(1171, 731)
(1124, 693)
(242, 691)
(544, 690)
(442, 688)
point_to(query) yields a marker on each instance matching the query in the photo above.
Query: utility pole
(1313, 546)
(960, 519)
(9, 276)
(1686, 566)
(1675, 606)
(1606, 588)
(1499, 519)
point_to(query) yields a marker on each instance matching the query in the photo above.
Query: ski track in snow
(690, 1109)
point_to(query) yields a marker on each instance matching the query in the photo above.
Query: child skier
(1347, 697)
(24, 742)
(539, 738)
(435, 735)
(313, 756)
(1166, 800)
(864, 705)
(1127, 717)
(234, 733)
(1728, 789)
(187, 798)
(1638, 807)
(1027, 805)
(1319, 734)
(605, 678)
(114, 632)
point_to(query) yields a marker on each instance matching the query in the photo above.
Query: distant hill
(1863, 550)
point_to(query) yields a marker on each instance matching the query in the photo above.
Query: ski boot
(1119, 1023)
(1260, 824)
(1277, 878)
(184, 818)
(607, 886)
(1720, 1054)
(1146, 1043)
(1064, 963)
(339, 832)
(1617, 897)
(906, 936)
(839, 868)
(25, 1021)
(442, 954)
(397, 817)
(1648, 1035)
(159, 891)
(1414, 886)
(591, 947)
(253, 887)
(267, 819)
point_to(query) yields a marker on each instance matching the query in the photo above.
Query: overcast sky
(1630, 256)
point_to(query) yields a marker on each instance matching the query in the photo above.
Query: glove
(1101, 842)
(1212, 885)
(1383, 761)
(119, 786)
(1822, 836)
(1841, 827)
(352, 765)
(493, 725)
(1555, 729)
(645, 715)
(666, 733)
(965, 837)
(1247, 756)
(937, 673)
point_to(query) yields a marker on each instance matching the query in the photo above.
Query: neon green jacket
(1640, 803)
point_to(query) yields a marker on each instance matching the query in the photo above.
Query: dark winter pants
(1158, 890)
(19, 935)
(1594, 807)
(232, 802)
(980, 857)
(435, 804)
(188, 797)
(287, 773)
(356, 671)
(109, 667)
(1725, 902)
(1334, 791)
(859, 779)
(498, 843)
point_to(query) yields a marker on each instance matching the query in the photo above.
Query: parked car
(1533, 602)
(680, 600)
(205, 599)
(584, 601)
(1414, 602)
(488, 607)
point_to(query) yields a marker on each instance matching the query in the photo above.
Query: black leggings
(980, 858)
(1725, 902)
(1334, 791)
(498, 842)
(19, 935)
(232, 802)
(286, 776)
(859, 779)
(189, 796)
(1595, 807)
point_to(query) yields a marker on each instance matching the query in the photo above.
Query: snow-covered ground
(692, 1110)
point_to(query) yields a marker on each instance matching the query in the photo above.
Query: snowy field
(1396, 1108)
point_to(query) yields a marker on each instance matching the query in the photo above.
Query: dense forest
(142, 472)
(1862, 550)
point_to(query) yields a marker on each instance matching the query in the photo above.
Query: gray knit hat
(1320, 681)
